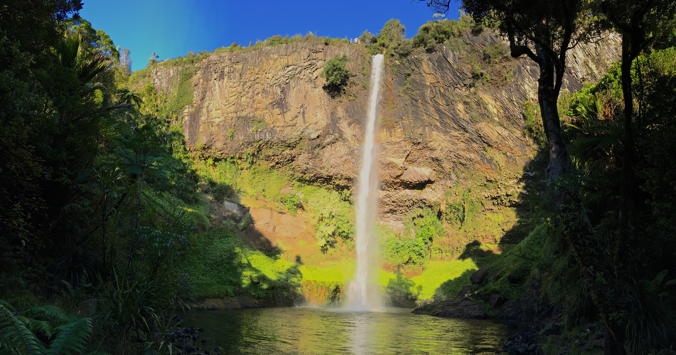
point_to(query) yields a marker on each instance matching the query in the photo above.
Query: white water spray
(363, 292)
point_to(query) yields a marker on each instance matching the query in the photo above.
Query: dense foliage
(106, 215)
(95, 189)
(336, 74)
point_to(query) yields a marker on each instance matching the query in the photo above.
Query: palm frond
(67, 51)
(89, 65)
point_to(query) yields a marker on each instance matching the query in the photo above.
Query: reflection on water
(321, 331)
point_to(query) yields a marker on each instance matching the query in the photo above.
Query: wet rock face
(443, 115)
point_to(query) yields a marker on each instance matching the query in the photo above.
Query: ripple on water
(322, 331)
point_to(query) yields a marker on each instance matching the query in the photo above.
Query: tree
(366, 37)
(543, 31)
(28, 31)
(391, 37)
(392, 32)
(97, 40)
(641, 23)
(336, 75)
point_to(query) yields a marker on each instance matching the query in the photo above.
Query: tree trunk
(559, 161)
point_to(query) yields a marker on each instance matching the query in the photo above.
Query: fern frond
(6, 305)
(38, 326)
(71, 338)
(14, 334)
(53, 314)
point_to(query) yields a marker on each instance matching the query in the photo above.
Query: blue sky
(172, 28)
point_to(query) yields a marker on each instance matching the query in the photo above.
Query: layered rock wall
(444, 115)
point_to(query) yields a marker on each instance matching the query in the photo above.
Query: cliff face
(444, 116)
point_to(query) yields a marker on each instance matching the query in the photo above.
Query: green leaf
(15, 335)
(71, 338)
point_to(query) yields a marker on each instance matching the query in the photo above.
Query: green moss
(258, 124)
(183, 91)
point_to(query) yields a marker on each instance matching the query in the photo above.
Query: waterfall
(363, 292)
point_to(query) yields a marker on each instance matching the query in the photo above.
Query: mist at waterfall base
(363, 293)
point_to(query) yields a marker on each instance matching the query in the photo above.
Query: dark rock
(479, 276)
(495, 300)
(454, 308)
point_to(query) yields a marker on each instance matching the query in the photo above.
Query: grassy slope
(257, 185)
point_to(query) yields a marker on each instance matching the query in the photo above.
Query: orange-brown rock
(443, 115)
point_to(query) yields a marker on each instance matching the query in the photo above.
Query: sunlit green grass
(263, 183)
(261, 263)
(336, 272)
(438, 272)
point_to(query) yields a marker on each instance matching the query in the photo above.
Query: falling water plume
(363, 292)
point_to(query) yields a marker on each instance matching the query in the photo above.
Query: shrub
(463, 210)
(332, 227)
(402, 291)
(495, 53)
(221, 192)
(415, 245)
(390, 40)
(366, 38)
(437, 32)
(292, 202)
(337, 76)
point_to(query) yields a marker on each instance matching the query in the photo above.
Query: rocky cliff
(445, 116)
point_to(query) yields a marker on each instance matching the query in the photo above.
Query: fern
(18, 332)
(71, 338)
(15, 335)
(38, 327)
(52, 314)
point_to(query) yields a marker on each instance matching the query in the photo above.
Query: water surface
(321, 331)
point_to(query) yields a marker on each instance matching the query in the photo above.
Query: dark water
(321, 331)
